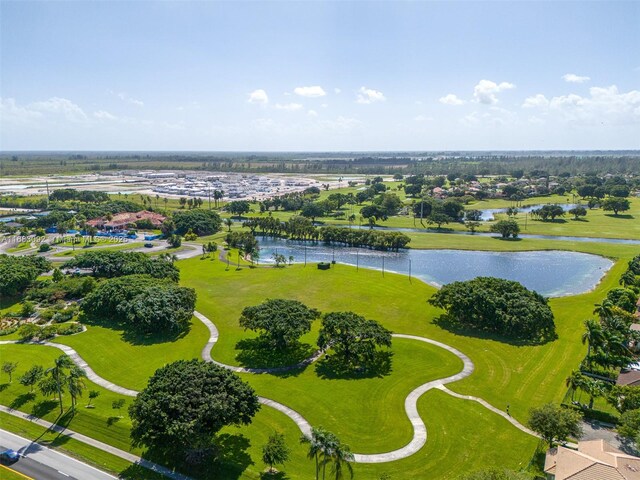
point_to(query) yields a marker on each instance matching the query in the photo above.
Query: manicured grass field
(350, 407)
(99, 422)
(129, 360)
(366, 413)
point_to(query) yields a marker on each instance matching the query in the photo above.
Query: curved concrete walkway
(419, 428)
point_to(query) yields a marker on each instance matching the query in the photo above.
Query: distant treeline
(430, 163)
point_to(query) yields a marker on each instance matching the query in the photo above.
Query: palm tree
(315, 442)
(58, 375)
(593, 337)
(574, 381)
(75, 383)
(594, 388)
(628, 279)
(604, 309)
(342, 457)
(228, 222)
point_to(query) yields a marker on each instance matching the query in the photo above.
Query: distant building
(125, 220)
(594, 460)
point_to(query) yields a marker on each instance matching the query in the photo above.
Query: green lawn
(367, 413)
(350, 407)
(129, 360)
(98, 422)
(597, 223)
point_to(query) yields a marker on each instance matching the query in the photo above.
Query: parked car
(148, 245)
(9, 456)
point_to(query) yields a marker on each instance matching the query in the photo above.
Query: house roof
(127, 218)
(594, 460)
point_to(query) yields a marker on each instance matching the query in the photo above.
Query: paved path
(419, 428)
(78, 360)
(213, 338)
(97, 444)
(486, 404)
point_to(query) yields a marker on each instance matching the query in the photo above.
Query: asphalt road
(42, 463)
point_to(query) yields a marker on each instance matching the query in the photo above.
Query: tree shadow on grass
(4, 386)
(21, 400)
(333, 367)
(260, 353)
(620, 216)
(508, 239)
(113, 420)
(133, 337)
(40, 409)
(278, 475)
(229, 460)
(445, 322)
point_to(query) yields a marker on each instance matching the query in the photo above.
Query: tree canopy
(201, 222)
(616, 204)
(506, 228)
(144, 303)
(496, 305)
(352, 337)
(281, 321)
(17, 273)
(555, 423)
(111, 264)
(185, 403)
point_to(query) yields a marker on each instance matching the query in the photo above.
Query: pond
(550, 273)
(488, 213)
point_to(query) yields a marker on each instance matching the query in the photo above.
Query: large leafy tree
(280, 321)
(144, 303)
(352, 337)
(555, 423)
(185, 403)
(17, 273)
(115, 264)
(616, 204)
(201, 222)
(506, 228)
(496, 305)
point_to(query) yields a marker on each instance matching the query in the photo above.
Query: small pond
(488, 213)
(551, 273)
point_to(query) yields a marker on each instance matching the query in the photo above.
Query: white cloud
(290, 107)
(104, 115)
(11, 112)
(369, 95)
(451, 99)
(573, 78)
(536, 101)
(485, 91)
(312, 113)
(126, 98)
(310, 92)
(60, 106)
(258, 96)
(604, 105)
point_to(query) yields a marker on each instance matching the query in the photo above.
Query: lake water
(488, 213)
(550, 273)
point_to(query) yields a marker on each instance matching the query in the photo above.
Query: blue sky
(311, 75)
